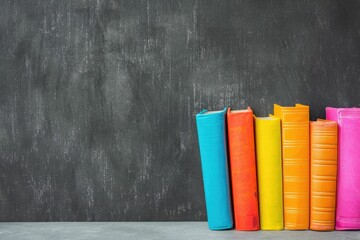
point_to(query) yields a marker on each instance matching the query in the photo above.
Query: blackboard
(98, 98)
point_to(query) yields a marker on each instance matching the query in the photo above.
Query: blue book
(211, 128)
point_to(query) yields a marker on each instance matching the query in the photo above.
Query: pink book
(348, 185)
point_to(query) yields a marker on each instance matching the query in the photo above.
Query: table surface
(150, 230)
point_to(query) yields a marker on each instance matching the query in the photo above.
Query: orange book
(323, 157)
(295, 156)
(243, 168)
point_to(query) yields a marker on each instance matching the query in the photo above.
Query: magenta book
(348, 185)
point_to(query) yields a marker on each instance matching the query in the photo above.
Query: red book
(243, 168)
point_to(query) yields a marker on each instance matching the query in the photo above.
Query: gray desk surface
(150, 230)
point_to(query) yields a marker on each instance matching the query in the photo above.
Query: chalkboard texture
(98, 98)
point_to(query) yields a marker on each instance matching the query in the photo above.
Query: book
(295, 157)
(269, 172)
(211, 129)
(243, 168)
(348, 180)
(323, 173)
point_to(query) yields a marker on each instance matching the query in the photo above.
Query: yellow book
(269, 170)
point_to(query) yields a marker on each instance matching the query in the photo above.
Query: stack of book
(281, 171)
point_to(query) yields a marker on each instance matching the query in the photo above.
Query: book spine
(348, 197)
(243, 170)
(269, 169)
(323, 157)
(295, 154)
(214, 162)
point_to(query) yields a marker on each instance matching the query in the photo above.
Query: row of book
(281, 171)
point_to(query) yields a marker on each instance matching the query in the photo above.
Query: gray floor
(150, 230)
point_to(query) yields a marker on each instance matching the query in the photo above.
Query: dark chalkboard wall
(98, 98)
